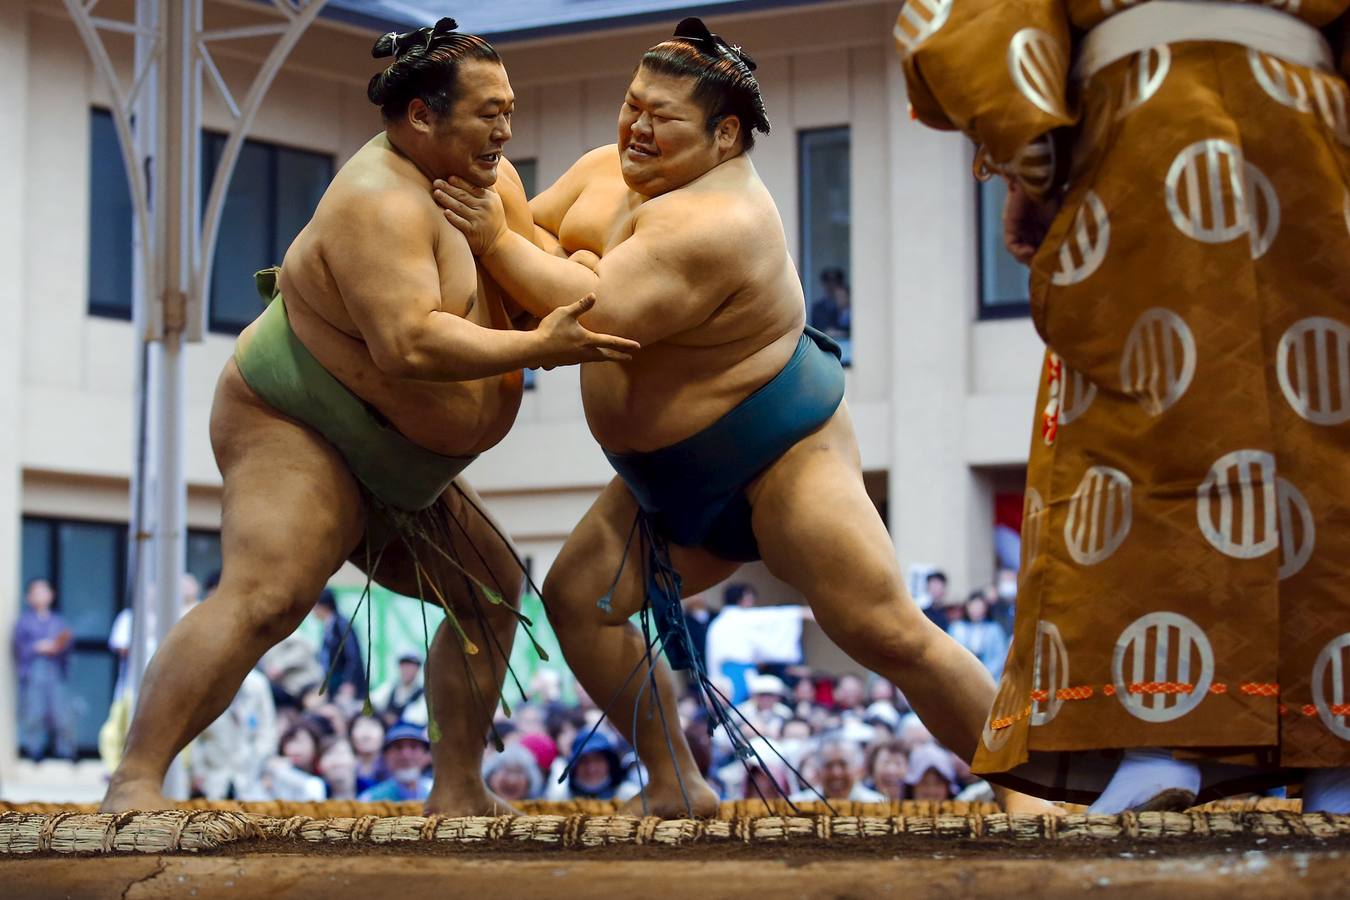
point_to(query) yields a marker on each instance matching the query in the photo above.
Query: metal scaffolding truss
(171, 37)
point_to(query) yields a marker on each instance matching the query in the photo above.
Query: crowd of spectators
(813, 733)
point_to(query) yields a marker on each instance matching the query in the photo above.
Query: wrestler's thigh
(819, 531)
(291, 510)
(590, 558)
(476, 544)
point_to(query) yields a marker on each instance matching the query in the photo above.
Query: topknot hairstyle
(724, 79)
(425, 67)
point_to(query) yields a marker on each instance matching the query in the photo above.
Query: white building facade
(942, 396)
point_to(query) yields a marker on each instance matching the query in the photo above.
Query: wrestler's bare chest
(602, 216)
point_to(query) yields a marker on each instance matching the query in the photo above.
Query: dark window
(1003, 280)
(528, 169)
(203, 555)
(86, 565)
(111, 221)
(272, 195)
(826, 226)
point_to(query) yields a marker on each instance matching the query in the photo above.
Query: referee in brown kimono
(1180, 185)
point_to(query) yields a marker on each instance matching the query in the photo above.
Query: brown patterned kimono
(1186, 545)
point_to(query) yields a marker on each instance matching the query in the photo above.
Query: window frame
(803, 242)
(985, 311)
(93, 307)
(215, 325)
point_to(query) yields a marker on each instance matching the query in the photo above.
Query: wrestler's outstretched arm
(684, 258)
(384, 262)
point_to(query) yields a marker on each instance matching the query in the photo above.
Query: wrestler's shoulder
(707, 212)
(383, 196)
(603, 157)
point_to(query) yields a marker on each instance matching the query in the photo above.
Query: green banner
(392, 624)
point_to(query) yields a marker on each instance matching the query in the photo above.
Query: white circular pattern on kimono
(1004, 706)
(1196, 199)
(1162, 648)
(1331, 708)
(1049, 673)
(1236, 504)
(1281, 82)
(1078, 396)
(1297, 536)
(1147, 71)
(919, 20)
(1082, 253)
(1100, 513)
(1333, 104)
(1032, 526)
(1034, 165)
(1312, 365)
(1039, 67)
(1158, 362)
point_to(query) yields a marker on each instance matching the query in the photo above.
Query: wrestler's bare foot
(669, 802)
(467, 801)
(1014, 803)
(134, 795)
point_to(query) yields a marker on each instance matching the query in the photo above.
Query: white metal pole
(144, 276)
(173, 206)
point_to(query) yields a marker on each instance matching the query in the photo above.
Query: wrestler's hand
(1026, 222)
(475, 211)
(564, 341)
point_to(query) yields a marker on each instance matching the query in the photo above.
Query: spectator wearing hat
(837, 764)
(514, 774)
(597, 772)
(407, 754)
(932, 775)
(542, 748)
(766, 709)
(395, 696)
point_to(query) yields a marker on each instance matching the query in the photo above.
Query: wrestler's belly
(451, 418)
(671, 392)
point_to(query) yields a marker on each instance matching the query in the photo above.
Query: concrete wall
(13, 304)
(939, 400)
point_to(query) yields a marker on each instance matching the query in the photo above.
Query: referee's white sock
(1327, 790)
(1142, 775)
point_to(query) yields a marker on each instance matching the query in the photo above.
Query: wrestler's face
(663, 135)
(468, 141)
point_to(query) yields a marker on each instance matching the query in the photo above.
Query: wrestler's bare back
(681, 384)
(449, 417)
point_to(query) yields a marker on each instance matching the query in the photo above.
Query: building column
(13, 140)
(932, 491)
